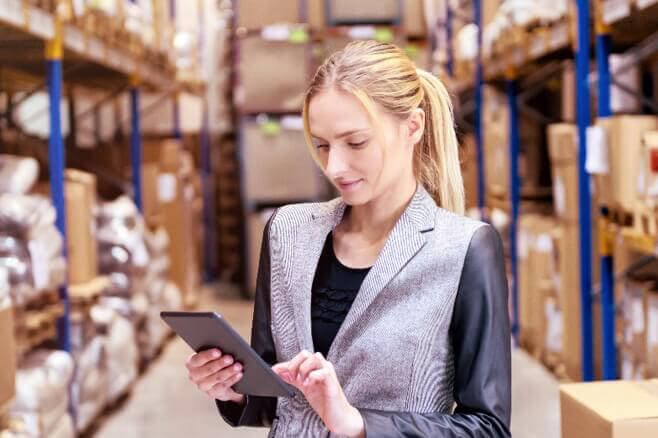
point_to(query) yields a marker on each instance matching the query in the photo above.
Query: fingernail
(215, 354)
(237, 367)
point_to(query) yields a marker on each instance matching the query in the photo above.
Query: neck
(378, 217)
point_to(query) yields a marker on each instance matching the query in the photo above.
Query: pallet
(620, 216)
(35, 327)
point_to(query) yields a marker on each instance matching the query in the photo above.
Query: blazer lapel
(403, 243)
(309, 242)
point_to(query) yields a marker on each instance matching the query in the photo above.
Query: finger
(203, 357)
(280, 367)
(222, 376)
(311, 364)
(293, 366)
(228, 383)
(211, 368)
(317, 377)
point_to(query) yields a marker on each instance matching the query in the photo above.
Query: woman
(387, 313)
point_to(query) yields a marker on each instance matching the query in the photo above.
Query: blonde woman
(385, 308)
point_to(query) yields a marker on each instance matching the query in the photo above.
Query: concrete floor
(165, 404)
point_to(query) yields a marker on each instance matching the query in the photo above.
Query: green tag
(412, 51)
(298, 36)
(384, 35)
(270, 128)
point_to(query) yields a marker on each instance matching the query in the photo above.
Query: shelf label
(642, 4)
(615, 10)
(362, 32)
(559, 36)
(275, 32)
(41, 23)
(74, 39)
(12, 12)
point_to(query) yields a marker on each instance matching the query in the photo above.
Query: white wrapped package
(88, 390)
(63, 429)
(466, 43)
(17, 174)
(122, 357)
(41, 424)
(42, 380)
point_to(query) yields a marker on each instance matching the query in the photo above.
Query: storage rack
(629, 24)
(74, 57)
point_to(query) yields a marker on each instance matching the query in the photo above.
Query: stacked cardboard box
(563, 148)
(8, 346)
(80, 194)
(170, 198)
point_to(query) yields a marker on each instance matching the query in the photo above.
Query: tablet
(205, 330)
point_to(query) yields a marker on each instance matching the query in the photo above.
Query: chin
(354, 199)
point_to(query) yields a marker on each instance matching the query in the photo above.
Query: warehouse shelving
(74, 57)
(527, 58)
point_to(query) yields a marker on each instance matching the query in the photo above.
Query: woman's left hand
(316, 378)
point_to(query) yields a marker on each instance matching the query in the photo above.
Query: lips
(349, 185)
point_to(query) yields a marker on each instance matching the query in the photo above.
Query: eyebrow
(343, 134)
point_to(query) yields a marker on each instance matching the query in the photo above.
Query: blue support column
(478, 108)
(609, 347)
(585, 221)
(56, 163)
(136, 147)
(515, 192)
(450, 63)
(209, 245)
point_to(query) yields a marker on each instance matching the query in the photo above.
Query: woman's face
(362, 162)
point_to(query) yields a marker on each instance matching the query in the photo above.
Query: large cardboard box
(176, 196)
(277, 164)
(624, 138)
(151, 203)
(616, 409)
(364, 11)
(255, 14)
(8, 362)
(272, 75)
(413, 19)
(537, 273)
(563, 150)
(80, 195)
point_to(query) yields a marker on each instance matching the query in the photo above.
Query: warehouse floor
(165, 404)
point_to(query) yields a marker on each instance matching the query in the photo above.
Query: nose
(336, 162)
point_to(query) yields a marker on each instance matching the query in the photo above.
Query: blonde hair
(382, 74)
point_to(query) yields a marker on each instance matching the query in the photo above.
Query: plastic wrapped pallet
(89, 387)
(30, 246)
(40, 407)
(17, 174)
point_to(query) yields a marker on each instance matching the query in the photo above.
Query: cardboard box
(150, 200)
(363, 12)
(615, 409)
(277, 165)
(413, 18)
(256, 223)
(468, 159)
(563, 150)
(568, 90)
(8, 362)
(80, 196)
(624, 138)
(272, 75)
(254, 14)
(537, 273)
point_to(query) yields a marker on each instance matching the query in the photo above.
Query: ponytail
(436, 157)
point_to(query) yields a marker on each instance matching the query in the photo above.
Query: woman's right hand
(215, 374)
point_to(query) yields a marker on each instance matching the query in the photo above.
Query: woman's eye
(322, 146)
(357, 144)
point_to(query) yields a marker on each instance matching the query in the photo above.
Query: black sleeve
(257, 411)
(480, 336)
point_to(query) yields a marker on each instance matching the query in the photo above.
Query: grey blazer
(428, 329)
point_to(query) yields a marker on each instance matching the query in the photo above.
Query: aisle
(165, 404)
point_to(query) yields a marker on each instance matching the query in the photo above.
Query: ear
(415, 126)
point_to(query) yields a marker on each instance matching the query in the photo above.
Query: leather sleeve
(480, 336)
(257, 411)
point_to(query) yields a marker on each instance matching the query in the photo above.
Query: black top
(480, 337)
(334, 289)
